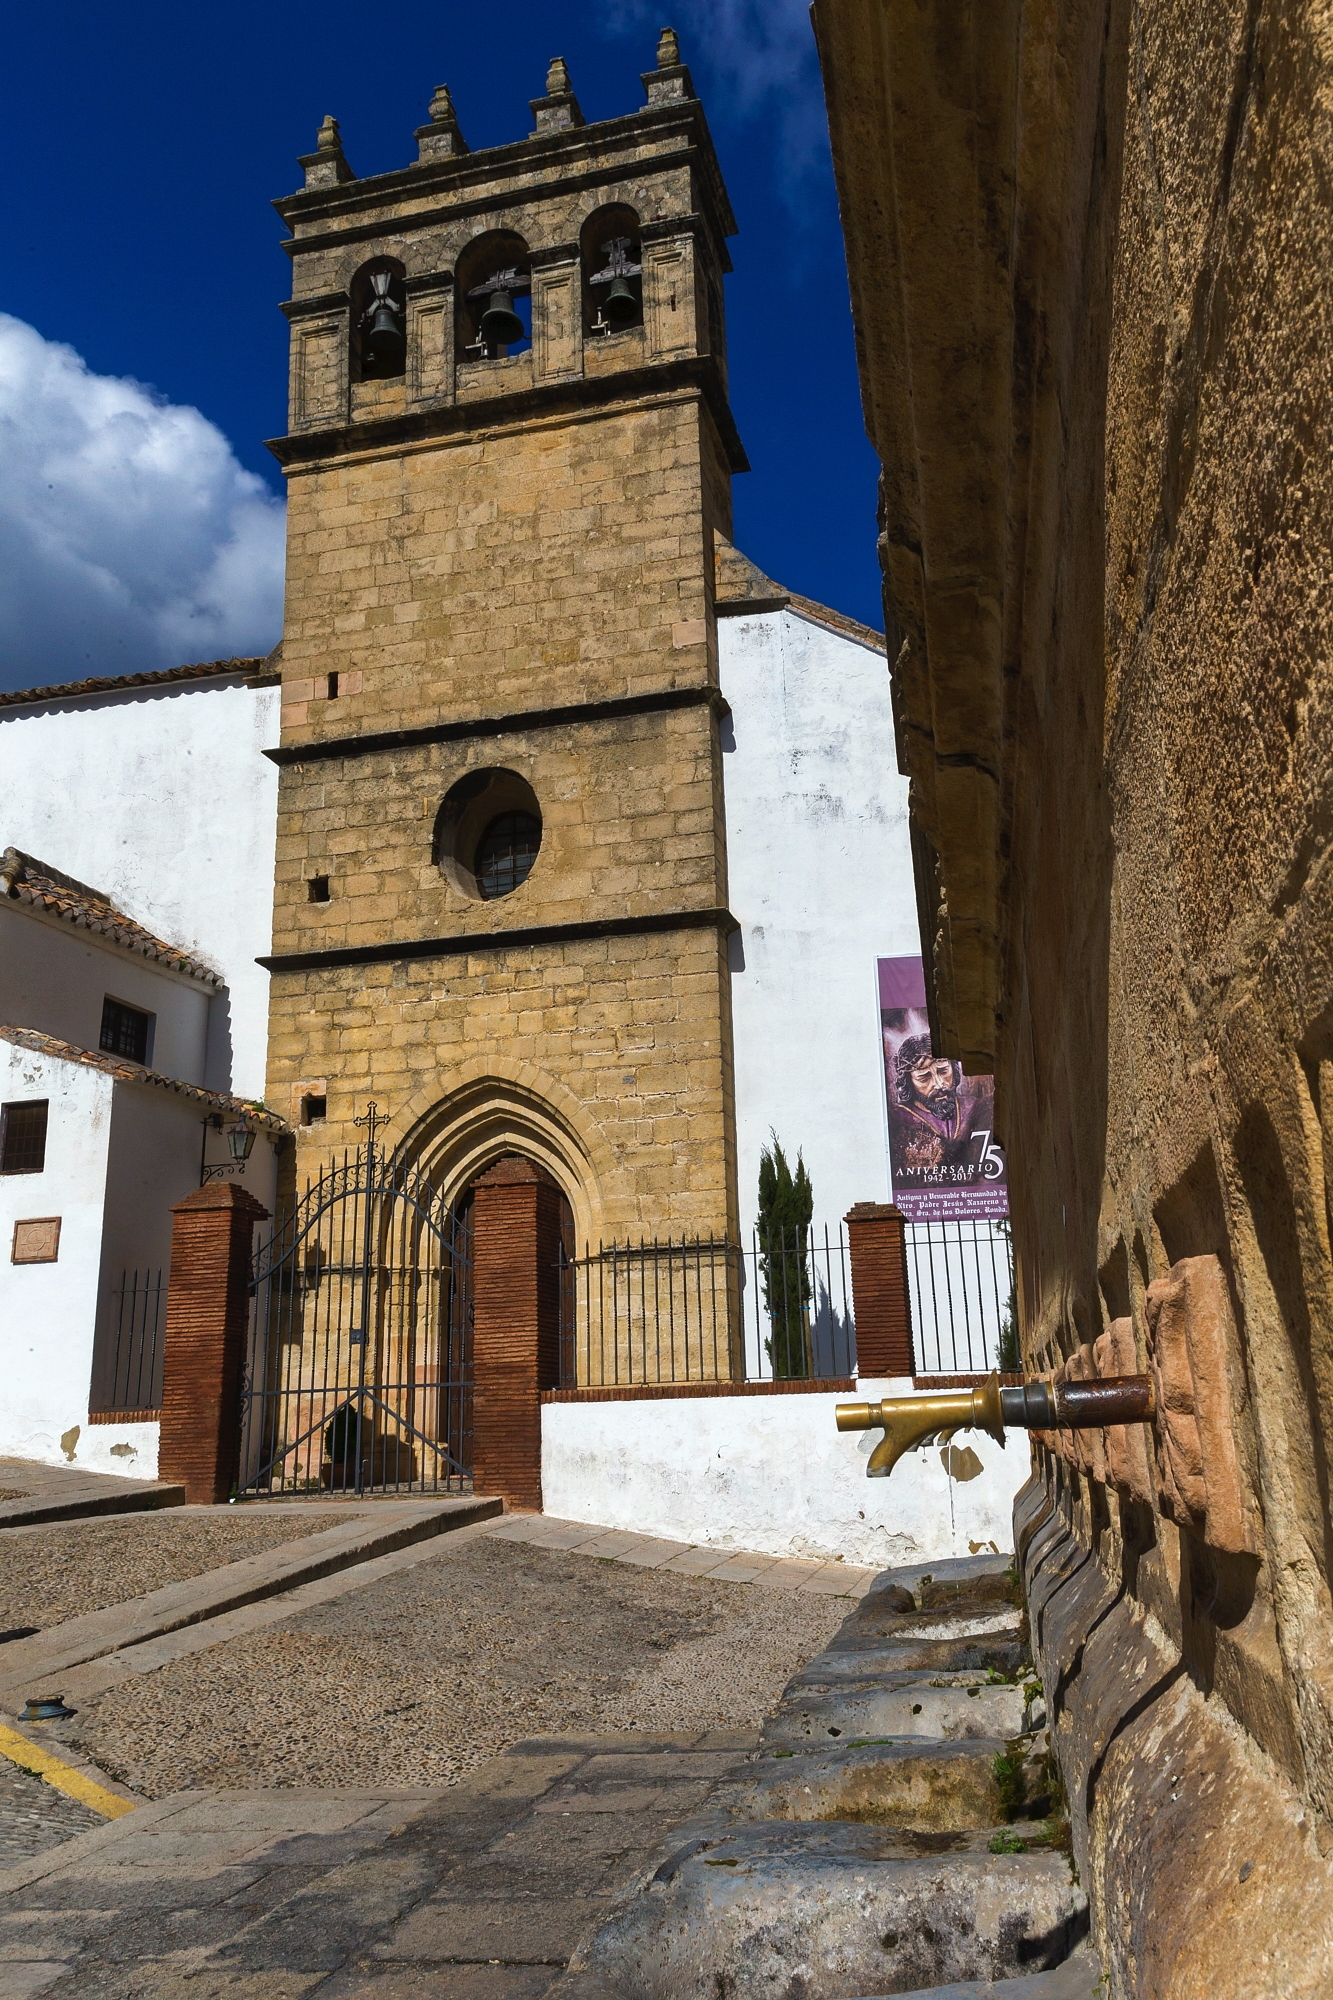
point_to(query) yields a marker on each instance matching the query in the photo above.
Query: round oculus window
(488, 833)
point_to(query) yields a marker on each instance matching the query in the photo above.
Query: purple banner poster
(944, 1161)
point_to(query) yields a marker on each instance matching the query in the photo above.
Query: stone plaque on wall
(319, 372)
(36, 1241)
(557, 331)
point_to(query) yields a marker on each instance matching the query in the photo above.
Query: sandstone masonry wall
(1116, 715)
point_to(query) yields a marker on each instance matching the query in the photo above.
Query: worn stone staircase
(898, 1830)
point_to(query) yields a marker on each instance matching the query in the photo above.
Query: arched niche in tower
(493, 288)
(612, 258)
(379, 320)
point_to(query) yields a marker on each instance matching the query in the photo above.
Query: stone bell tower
(501, 899)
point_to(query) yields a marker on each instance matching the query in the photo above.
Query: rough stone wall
(1219, 760)
(1161, 919)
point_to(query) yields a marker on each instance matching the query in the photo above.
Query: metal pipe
(909, 1421)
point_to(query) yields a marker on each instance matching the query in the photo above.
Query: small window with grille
(125, 1030)
(506, 852)
(23, 1137)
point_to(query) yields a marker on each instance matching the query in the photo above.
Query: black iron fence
(134, 1379)
(961, 1279)
(706, 1308)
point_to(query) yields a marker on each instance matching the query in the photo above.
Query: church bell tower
(501, 899)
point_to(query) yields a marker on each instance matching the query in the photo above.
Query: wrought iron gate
(358, 1373)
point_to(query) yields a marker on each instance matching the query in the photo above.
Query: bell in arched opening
(500, 325)
(383, 341)
(620, 307)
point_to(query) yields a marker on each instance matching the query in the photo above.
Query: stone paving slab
(482, 1890)
(837, 1579)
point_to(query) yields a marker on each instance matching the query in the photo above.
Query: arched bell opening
(493, 289)
(379, 320)
(612, 259)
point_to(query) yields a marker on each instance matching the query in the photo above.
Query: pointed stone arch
(492, 1106)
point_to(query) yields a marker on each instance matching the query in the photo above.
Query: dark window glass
(317, 889)
(124, 1031)
(23, 1137)
(506, 853)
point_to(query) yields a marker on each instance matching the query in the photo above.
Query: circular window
(506, 852)
(488, 834)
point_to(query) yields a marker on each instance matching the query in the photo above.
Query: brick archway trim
(491, 1107)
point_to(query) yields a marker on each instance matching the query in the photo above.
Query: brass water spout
(908, 1421)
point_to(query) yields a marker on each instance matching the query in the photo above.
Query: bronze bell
(622, 308)
(383, 347)
(500, 324)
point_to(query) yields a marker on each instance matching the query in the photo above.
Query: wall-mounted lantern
(240, 1144)
(240, 1141)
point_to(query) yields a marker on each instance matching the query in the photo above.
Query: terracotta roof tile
(110, 683)
(131, 1072)
(24, 879)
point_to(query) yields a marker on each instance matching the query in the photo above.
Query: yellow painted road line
(32, 1757)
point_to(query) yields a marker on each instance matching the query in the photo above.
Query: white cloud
(130, 537)
(749, 58)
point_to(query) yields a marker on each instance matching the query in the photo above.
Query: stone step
(850, 1908)
(88, 1497)
(899, 1666)
(923, 1787)
(950, 1714)
(35, 1665)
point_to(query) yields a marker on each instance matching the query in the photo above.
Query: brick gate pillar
(515, 1327)
(881, 1302)
(208, 1305)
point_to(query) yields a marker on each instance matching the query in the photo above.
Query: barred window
(23, 1137)
(124, 1030)
(506, 852)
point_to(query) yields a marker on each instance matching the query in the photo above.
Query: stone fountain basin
(828, 1910)
(921, 1786)
(948, 1714)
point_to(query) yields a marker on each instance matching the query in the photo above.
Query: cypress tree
(786, 1204)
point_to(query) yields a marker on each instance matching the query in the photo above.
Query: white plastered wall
(820, 877)
(774, 1475)
(162, 799)
(55, 975)
(118, 1155)
(47, 1311)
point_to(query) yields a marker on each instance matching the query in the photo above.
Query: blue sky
(143, 356)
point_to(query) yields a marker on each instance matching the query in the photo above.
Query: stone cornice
(699, 372)
(470, 943)
(542, 154)
(520, 721)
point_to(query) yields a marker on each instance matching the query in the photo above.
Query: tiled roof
(107, 684)
(24, 879)
(741, 585)
(130, 1072)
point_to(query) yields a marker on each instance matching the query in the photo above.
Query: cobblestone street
(418, 1678)
(35, 1817)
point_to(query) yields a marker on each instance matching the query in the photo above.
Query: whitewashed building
(135, 882)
